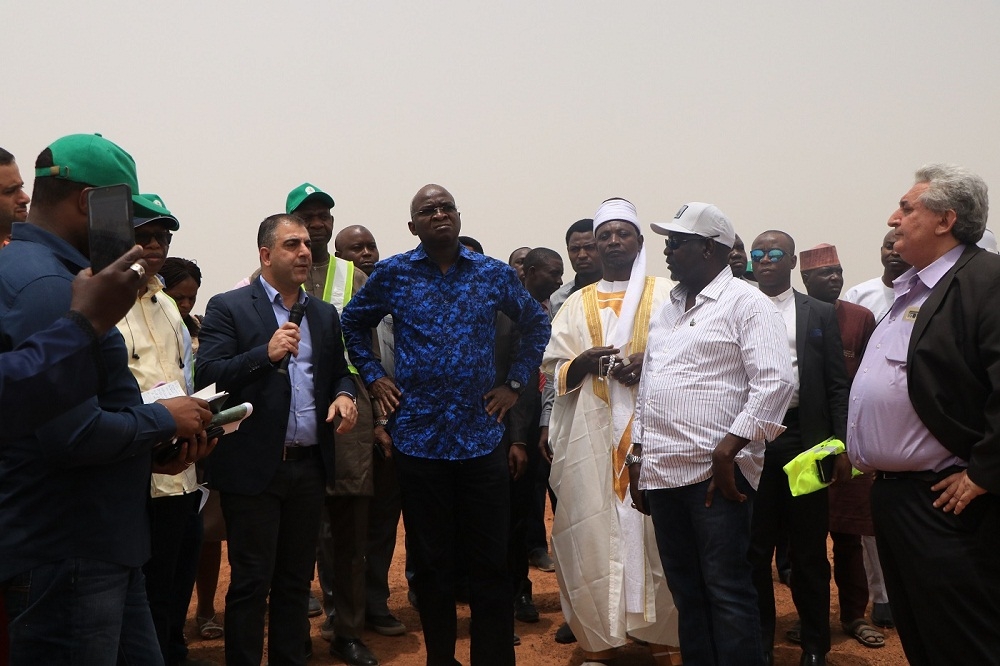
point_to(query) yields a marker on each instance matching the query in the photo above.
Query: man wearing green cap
(70, 573)
(344, 529)
(154, 336)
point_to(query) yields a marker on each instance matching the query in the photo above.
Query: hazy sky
(803, 116)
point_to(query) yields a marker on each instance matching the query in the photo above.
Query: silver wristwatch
(632, 459)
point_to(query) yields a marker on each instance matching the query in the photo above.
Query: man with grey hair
(924, 416)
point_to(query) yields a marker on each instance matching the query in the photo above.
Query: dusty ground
(537, 645)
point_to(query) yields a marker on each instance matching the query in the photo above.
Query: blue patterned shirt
(445, 326)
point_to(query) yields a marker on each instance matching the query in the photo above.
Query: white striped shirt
(721, 367)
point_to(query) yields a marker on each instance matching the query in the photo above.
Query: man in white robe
(610, 579)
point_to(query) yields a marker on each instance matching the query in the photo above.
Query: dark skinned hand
(724, 469)
(517, 460)
(385, 391)
(629, 375)
(499, 401)
(543, 445)
(104, 299)
(587, 363)
(383, 440)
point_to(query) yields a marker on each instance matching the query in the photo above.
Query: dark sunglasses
(774, 255)
(673, 242)
(162, 237)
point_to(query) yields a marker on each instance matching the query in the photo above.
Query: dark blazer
(953, 364)
(233, 353)
(824, 388)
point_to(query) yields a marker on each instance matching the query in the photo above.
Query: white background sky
(803, 116)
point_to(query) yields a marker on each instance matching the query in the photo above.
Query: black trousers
(521, 509)
(342, 542)
(383, 521)
(170, 571)
(272, 552)
(460, 508)
(941, 572)
(806, 521)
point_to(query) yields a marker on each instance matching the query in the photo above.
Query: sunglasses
(431, 211)
(774, 256)
(673, 242)
(162, 237)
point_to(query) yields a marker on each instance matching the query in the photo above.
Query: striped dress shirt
(721, 367)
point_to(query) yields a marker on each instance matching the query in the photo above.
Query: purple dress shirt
(884, 432)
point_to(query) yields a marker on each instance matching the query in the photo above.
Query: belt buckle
(284, 453)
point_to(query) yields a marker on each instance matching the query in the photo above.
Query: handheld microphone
(294, 317)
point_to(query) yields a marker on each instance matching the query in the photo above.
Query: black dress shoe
(564, 635)
(882, 616)
(352, 651)
(768, 658)
(524, 609)
(812, 659)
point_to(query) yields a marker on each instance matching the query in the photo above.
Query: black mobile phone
(111, 231)
(824, 466)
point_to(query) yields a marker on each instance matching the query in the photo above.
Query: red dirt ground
(537, 645)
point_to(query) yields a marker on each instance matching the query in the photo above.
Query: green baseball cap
(306, 192)
(149, 208)
(93, 160)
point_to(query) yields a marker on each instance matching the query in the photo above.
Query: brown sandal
(864, 633)
(208, 628)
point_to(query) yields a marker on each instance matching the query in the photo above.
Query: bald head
(430, 190)
(434, 218)
(356, 243)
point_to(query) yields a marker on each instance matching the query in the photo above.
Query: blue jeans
(704, 556)
(80, 611)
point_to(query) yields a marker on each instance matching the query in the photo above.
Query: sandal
(864, 633)
(208, 628)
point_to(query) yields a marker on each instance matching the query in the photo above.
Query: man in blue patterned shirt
(447, 417)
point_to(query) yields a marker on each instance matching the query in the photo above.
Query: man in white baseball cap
(716, 380)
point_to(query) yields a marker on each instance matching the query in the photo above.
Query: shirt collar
(783, 296)
(153, 287)
(419, 253)
(931, 274)
(274, 297)
(711, 291)
(72, 258)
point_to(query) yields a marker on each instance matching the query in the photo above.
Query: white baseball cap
(700, 219)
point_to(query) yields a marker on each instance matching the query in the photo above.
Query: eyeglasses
(774, 256)
(162, 237)
(673, 242)
(431, 211)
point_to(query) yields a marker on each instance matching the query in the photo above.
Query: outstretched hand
(345, 408)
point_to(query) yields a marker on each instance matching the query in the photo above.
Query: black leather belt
(300, 452)
(927, 476)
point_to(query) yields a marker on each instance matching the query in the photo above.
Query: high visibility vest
(337, 291)
(339, 283)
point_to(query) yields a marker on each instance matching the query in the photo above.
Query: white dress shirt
(720, 367)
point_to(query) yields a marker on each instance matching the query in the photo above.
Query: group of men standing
(674, 411)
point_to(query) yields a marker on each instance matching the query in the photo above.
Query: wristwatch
(632, 459)
(515, 386)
